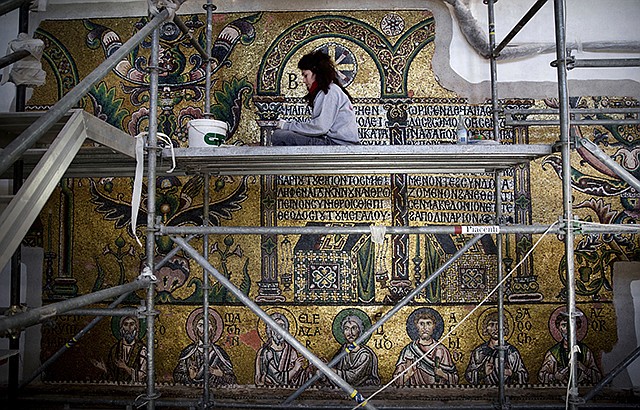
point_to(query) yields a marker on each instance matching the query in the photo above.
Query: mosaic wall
(326, 289)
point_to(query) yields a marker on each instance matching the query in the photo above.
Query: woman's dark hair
(323, 67)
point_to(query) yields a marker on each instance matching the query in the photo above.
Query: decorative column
(269, 286)
(524, 284)
(400, 285)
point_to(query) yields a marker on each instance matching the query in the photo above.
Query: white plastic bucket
(207, 133)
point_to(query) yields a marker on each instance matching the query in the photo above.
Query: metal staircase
(65, 155)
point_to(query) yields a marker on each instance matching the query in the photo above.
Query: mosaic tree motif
(224, 252)
(121, 252)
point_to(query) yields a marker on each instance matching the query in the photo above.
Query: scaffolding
(288, 160)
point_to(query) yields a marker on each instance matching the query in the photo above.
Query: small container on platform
(207, 133)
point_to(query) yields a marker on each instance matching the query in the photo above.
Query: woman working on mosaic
(333, 120)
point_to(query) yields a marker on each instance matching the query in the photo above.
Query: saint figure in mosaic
(483, 368)
(192, 364)
(277, 362)
(555, 366)
(425, 361)
(128, 356)
(360, 365)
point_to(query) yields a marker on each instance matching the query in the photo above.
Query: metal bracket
(569, 61)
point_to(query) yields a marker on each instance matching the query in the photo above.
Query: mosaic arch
(392, 60)
(60, 59)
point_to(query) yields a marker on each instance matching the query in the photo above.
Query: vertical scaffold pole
(152, 147)
(498, 201)
(205, 289)
(563, 102)
(209, 34)
(209, 7)
(16, 259)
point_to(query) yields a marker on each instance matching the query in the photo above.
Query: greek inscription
(293, 81)
(231, 317)
(373, 127)
(598, 323)
(523, 326)
(311, 319)
(309, 331)
(446, 199)
(369, 110)
(295, 111)
(383, 343)
(334, 198)
(453, 340)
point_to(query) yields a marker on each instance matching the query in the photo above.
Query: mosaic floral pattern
(324, 276)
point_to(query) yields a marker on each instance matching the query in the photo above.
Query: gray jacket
(333, 116)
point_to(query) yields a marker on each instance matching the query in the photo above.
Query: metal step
(64, 141)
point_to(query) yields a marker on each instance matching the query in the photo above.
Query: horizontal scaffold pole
(606, 63)
(104, 312)
(13, 57)
(556, 123)
(10, 5)
(578, 111)
(34, 316)
(361, 229)
(71, 342)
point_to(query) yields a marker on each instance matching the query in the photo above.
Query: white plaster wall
(626, 300)
(586, 21)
